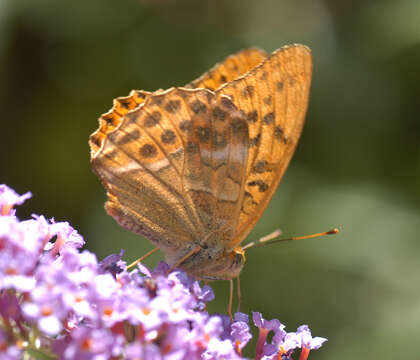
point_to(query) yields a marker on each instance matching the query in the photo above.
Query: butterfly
(193, 168)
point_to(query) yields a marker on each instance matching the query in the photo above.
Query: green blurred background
(357, 164)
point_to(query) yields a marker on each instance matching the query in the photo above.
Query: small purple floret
(9, 198)
(306, 339)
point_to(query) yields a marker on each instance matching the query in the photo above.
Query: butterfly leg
(230, 298)
(142, 258)
(238, 308)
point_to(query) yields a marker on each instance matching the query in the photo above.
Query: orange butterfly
(193, 168)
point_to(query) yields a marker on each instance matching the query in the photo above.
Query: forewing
(229, 69)
(274, 99)
(175, 167)
(140, 163)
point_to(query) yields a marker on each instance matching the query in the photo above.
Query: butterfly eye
(239, 258)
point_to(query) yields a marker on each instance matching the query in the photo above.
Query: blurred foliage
(357, 164)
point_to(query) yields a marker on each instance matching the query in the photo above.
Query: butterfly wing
(274, 97)
(188, 167)
(110, 120)
(229, 69)
(174, 168)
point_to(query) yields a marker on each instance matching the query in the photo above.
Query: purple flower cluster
(283, 344)
(60, 302)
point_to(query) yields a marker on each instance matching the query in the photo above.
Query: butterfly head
(212, 264)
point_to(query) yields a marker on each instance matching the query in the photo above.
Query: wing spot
(140, 95)
(173, 106)
(198, 107)
(96, 140)
(223, 79)
(156, 100)
(255, 141)
(177, 154)
(112, 154)
(148, 151)
(268, 100)
(203, 134)
(248, 91)
(278, 133)
(219, 114)
(252, 116)
(125, 139)
(192, 148)
(269, 118)
(279, 86)
(262, 186)
(185, 125)
(219, 140)
(239, 125)
(124, 103)
(109, 118)
(168, 137)
(152, 119)
(261, 166)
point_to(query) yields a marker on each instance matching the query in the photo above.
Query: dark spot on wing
(248, 91)
(168, 137)
(268, 119)
(239, 125)
(203, 134)
(140, 94)
(252, 116)
(268, 100)
(278, 133)
(198, 107)
(156, 100)
(148, 151)
(260, 166)
(219, 114)
(192, 148)
(96, 140)
(255, 140)
(219, 140)
(172, 106)
(124, 103)
(262, 186)
(185, 125)
(126, 138)
(152, 119)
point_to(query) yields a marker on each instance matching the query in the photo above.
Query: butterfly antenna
(272, 238)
